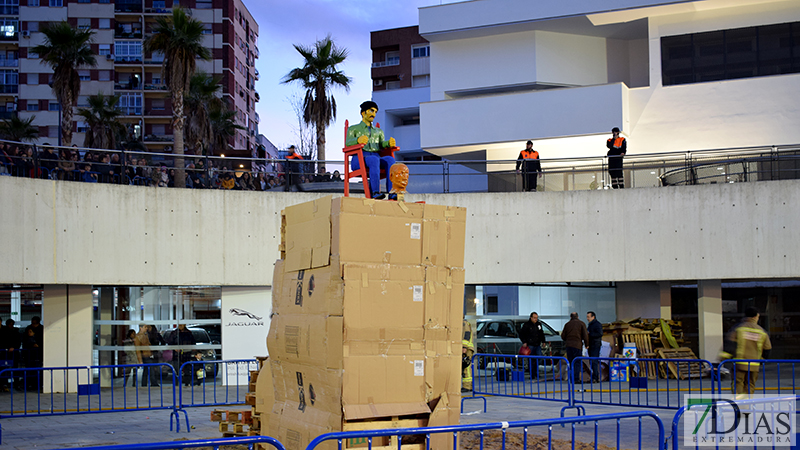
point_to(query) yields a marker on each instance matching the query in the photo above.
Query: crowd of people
(21, 349)
(107, 167)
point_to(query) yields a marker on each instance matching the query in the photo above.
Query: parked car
(501, 336)
(202, 339)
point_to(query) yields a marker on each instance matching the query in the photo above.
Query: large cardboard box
(368, 306)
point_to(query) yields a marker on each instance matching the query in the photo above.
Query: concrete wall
(76, 233)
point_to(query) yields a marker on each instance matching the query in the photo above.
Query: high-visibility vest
(753, 335)
(294, 155)
(618, 142)
(530, 154)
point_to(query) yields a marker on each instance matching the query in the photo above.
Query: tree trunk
(177, 134)
(320, 145)
(66, 120)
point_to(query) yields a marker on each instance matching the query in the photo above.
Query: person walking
(747, 340)
(528, 160)
(595, 330)
(130, 358)
(532, 337)
(146, 356)
(575, 339)
(617, 147)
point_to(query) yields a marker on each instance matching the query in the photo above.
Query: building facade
(124, 68)
(674, 76)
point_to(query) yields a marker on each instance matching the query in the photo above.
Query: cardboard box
(371, 231)
(311, 339)
(310, 291)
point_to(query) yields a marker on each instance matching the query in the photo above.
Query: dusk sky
(283, 23)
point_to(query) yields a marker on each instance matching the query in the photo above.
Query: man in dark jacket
(532, 336)
(595, 330)
(575, 338)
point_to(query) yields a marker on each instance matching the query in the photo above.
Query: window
(104, 49)
(84, 1)
(53, 106)
(730, 54)
(33, 26)
(128, 50)
(105, 1)
(392, 85)
(421, 80)
(392, 58)
(83, 127)
(159, 129)
(9, 28)
(159, 4)
(157, 57)
(203, 4)
(85, 75)
(157, 78)
(56, 3)
(83, 101)
(84, 23)
(422, 51)
(9, 77)
(131, 103)
(52, 131)
(33, 105)
(104, 75)
(33, 2)
(208, 28)
(104, 24)
(491, 304)
(158, 104)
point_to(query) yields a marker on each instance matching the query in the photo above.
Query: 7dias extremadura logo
(722, 420)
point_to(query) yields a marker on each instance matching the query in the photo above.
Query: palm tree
(317, 76)
(19, 130)
(223, 127)
(102, 118)
(65, 49)
(200, 101)
(180, 39)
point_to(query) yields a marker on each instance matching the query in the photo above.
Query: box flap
(372, 411)
(307, 235)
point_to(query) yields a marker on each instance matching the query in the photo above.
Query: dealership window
(731, 54)
(119, 309)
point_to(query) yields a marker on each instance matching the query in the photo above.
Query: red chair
(356, 151)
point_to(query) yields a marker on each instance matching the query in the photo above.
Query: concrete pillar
(665, 288)
(68, 333)
(709, 318)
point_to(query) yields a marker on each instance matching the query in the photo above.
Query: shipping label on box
(312, 291)
(314, 340)
(383, 296)
(383, 379)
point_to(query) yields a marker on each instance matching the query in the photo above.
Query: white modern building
(673, 75)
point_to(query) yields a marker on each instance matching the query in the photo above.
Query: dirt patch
(493, 440)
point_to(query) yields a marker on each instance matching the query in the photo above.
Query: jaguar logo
(241, 312)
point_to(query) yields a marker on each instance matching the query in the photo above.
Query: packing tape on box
(449, 212)
(387, 257)
(403, 206)
(431, 288)
(449, 283)
(364, 280)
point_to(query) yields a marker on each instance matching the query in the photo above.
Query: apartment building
(124, 68)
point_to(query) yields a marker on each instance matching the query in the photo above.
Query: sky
(283, 23)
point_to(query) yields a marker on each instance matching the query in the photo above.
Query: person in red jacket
(528, 160)
(292, 167)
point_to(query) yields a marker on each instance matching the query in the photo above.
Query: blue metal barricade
(212, 383)
(740, 437)
(51, 391)
(605, 428)
(642, 382)
(249, 441)
(756, 376)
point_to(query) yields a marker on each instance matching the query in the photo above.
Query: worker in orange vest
(617, 146)
(292, 168)
(528, 160)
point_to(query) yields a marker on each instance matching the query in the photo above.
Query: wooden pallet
(244, 416)
(231, 427)
(644, 348)
(385, 442)
(681, 370)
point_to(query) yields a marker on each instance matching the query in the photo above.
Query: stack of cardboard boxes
(367, 316)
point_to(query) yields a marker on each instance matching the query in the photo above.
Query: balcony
(155, 138)
(9, 89)
(258, 97)
(128, 59)
(9, 36)
(155, 87)
(257, 118)
(7, 114)
(131, 110)
(131, 35)
(127, 86)
(163, 112)
(158, 11)
(257, 75)
(9, 10)
(391, 62)
(127, 7)
(9, 63)
(154, 61)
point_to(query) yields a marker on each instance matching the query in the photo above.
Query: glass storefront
(120, 312)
